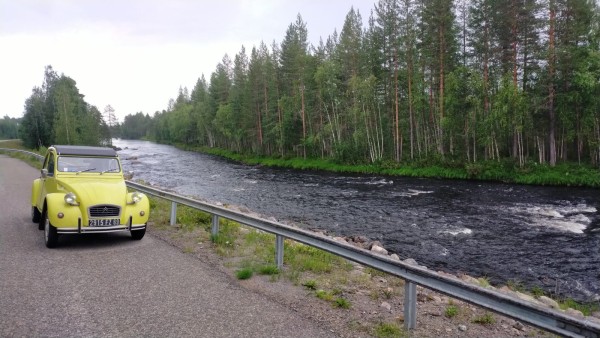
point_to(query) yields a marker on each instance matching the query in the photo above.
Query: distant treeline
(462, 81)
(9, 128)
(56, 113)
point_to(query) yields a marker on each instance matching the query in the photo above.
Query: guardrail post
(279, 251)
(410, 305)
(214, 230)
(173, 213)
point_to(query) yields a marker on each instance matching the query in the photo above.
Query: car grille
(105, 211)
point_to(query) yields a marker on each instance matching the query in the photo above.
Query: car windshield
(88, 164)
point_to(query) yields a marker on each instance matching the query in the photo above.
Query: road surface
(109, 285)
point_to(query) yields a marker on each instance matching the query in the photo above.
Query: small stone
(436, 299)
(505, 289)
(379, 250)
(386, 306)
(574, 313)
(549, 302)
(340, 239)
(463, 328)
(436, 313)
(375, 243)
(448, 330)
(515, 332)
(382, 280)
(596, 314)
(410, 261)
(525, 297)
(400, 318)
(395, 257)
(519, 326)
(469, 279)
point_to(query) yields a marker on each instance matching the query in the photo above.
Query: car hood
(92, 191)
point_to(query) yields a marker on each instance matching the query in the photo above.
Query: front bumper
(88, 230)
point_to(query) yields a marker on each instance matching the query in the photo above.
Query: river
(535, 236)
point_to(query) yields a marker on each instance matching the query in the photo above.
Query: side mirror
(44, 173)
(128, 175)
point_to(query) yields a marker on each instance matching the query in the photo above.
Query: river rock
(395, 257)
(375, 243)
(526, 297)
(340, 239)
(379, 250)
(410, 261)
(549, 302)
(386, 306)
(519, 326)
(462, 328)
(574, 313)
(469, 279)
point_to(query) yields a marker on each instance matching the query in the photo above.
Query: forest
(56, 113)
(430, 80)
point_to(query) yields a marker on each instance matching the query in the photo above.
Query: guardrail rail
(548, 319)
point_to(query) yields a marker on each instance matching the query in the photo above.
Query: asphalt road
(109, 285)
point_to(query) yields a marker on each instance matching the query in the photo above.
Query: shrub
(244, 273)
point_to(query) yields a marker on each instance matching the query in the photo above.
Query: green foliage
(451, 311)
(389, 330)
(57, 114)
(485, 319)
(324, 295)
(342, 303)
(245, 273)
(310, 284)
(268, 270)
(586, 308)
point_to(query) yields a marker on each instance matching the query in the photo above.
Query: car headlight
(71, 199)
(136, 197)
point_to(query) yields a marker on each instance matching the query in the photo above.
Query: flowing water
(543, 236)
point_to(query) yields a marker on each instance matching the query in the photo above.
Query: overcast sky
(135, 54)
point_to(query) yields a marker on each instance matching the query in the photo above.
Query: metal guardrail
(547, 319)
(37, 156)
(544, 318)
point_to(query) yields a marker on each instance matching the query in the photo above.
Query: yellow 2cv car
(82, 190)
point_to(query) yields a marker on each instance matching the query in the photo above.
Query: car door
(48, 180)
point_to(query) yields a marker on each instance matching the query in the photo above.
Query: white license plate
(104, 222)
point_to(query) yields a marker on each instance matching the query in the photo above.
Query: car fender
(35, 192)
(134, 210)
(55, 205)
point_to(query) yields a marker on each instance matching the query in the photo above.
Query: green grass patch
(310, 284)
(585, 308)
(244, 273)
(485, 319)
(324, 295)
(388, 330)
(342, 303)
(268, 270)
(451, 311)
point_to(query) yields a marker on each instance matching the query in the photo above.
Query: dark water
(544, 236)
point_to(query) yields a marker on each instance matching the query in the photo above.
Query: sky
(135, 54)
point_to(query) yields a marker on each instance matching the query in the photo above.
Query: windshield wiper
(109, 170)
(82, 171)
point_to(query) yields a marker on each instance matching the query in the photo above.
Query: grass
(505, 170)
(388, 330)
(244, 273)
(586, 309)
(310, 284)
(451, 311)
(485, 319)
(18, 144)
(342, 303)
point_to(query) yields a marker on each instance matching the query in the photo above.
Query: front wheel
(138, 234)
(50, 234)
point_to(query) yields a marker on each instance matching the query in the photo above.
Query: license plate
(104, 222)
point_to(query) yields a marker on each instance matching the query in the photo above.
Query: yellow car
(82, 190)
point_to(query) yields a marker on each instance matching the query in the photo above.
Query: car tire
(42, 220)
(138, 234)
(50, 234)
(35, 215)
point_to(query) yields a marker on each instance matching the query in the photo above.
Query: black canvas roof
(84, 150)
